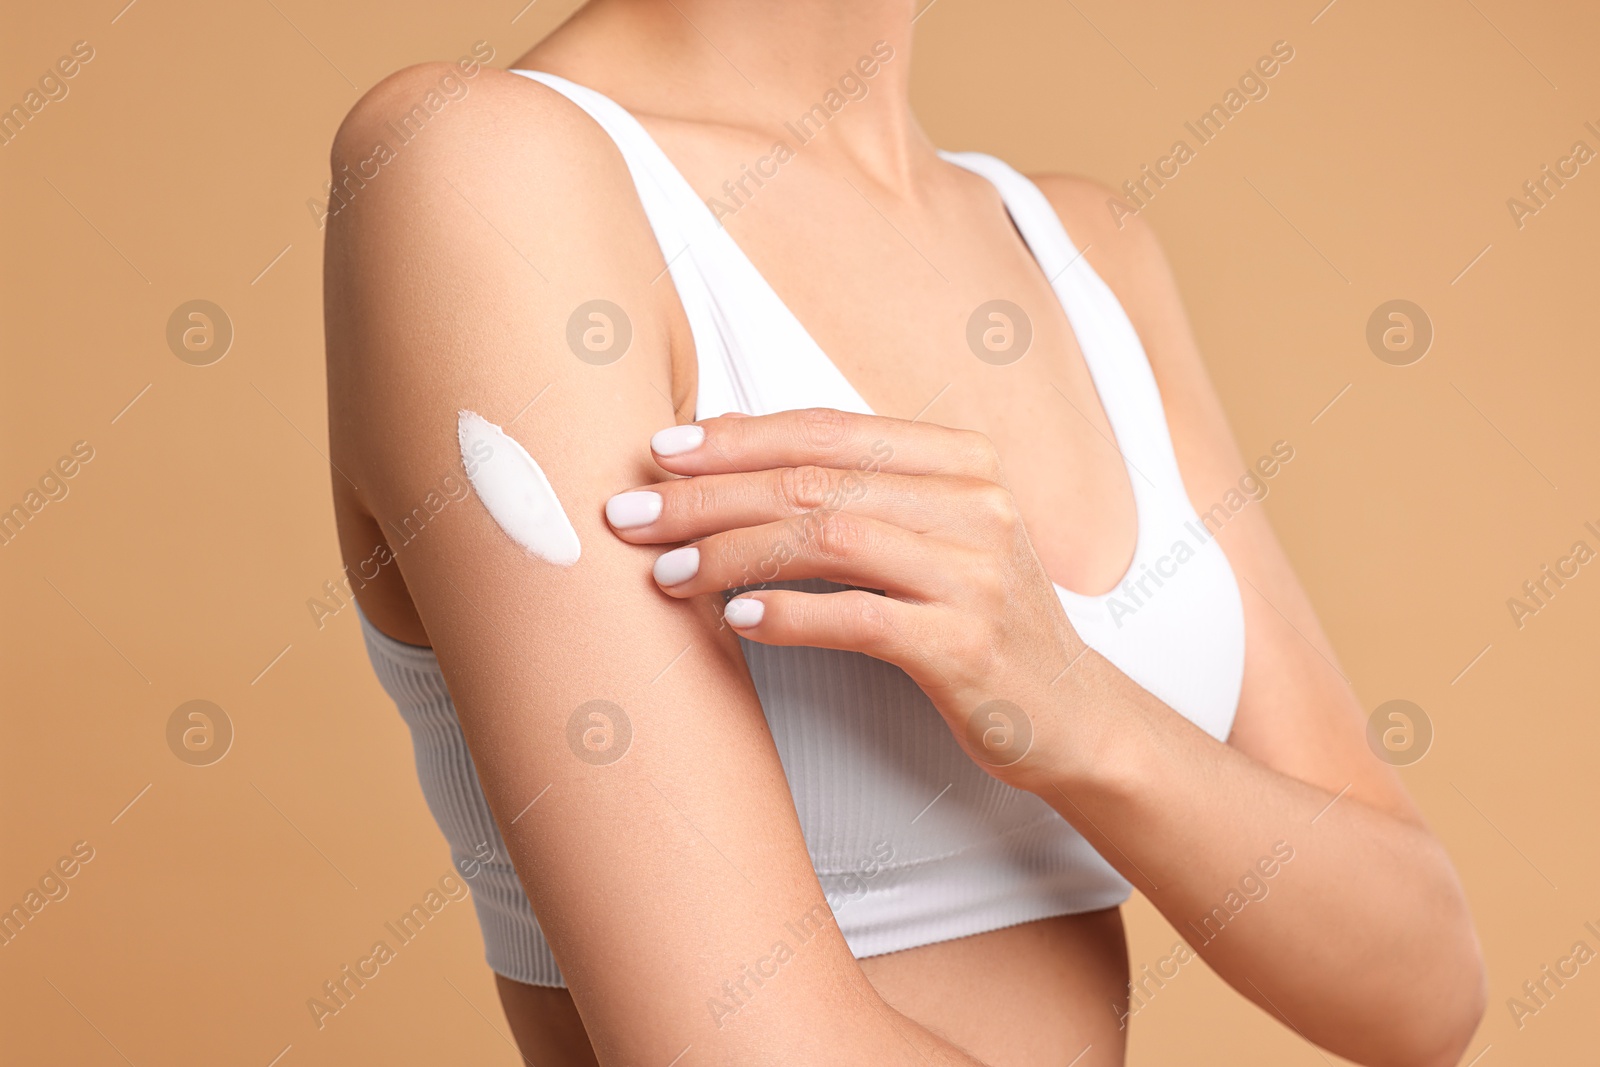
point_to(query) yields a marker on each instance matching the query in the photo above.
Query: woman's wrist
(1094, 741)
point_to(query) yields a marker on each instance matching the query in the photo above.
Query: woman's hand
(919, 511)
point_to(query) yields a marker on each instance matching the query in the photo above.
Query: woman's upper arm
(451, 273)
(1297, 713)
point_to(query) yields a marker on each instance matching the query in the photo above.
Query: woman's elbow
(1439, 1036)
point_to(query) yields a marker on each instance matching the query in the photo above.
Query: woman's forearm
(1327, 912)
(1327, 907)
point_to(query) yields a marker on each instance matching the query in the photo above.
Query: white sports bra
(912, 842)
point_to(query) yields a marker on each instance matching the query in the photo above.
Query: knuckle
(981, 453)
(804, 488)
(837, 537)
(728, 558)
(821, 427)
(870, 615)
(868, 621)
(701, 494)
(995, 506)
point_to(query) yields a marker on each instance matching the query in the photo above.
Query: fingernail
(677, 566)
(744, 612)
(639, 508)
(676, 440)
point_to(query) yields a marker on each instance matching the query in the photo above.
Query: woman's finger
(852, 620)
(823, 437)
(838, 546)
(687, 508)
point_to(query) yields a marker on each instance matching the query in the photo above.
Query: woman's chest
(936, 310)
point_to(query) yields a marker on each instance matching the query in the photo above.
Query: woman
(989, 665)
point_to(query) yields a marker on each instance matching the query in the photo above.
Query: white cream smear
(516, 492)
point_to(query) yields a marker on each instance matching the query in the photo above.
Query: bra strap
(677, 217)
(1111, 347)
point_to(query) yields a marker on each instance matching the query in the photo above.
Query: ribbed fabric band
(513, 943)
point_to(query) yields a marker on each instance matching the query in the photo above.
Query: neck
(768, 68)
(800, 48)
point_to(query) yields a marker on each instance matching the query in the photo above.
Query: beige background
(179, 564)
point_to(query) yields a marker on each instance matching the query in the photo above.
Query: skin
(449, 281)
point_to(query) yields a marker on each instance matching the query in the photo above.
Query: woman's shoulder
(1120, 245)
(438, 138)
(475, 224)
(479, 186)
(437, 111)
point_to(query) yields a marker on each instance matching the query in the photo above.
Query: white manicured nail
(627, 510)
(677, 566)
(744, 612)
(676, 440)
